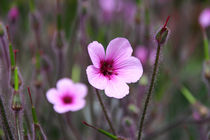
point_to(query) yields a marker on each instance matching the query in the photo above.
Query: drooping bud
(206, 70)
(1, 30)
(16, 101)
(162, 35)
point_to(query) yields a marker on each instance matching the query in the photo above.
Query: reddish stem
(15, 52)
(29, 92)
(8, 33)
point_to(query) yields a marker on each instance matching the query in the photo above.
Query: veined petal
(129, 70)
(95, 78)
(118, 49)
(96, 53)
(116, 88)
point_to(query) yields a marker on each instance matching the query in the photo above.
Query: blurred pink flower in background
(204, 18)
(67, 96)
(111, 71)
(13, 14)
(142, 53)
(108, 7)
(126, 8)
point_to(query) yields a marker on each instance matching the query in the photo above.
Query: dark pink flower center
(106, 68)
(67, 99)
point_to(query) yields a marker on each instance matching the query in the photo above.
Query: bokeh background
(34, 27)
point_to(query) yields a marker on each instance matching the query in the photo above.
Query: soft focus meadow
(104, 69)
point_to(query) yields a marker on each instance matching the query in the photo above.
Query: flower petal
(95, 78)
(79, 104)
(80, 90)
(116, 88)
(129, 70)
(52, 96)
(118, 49)
(64, 84)
(96, 53)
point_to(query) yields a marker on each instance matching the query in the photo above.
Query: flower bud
(162, 35)
(16, 101)
(13, 14)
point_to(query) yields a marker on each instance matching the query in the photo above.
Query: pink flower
(204, 18)
(108, 8)
(111, 71)
(13, 14)
(142, 53)
(67, 96)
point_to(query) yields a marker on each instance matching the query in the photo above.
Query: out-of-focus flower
(111, 71)
(126, 8)
(13, 14)
(204, 18)
(108, 7)
(142, 53)
(67, 96)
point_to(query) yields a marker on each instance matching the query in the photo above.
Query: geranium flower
(204, 18)
(67, 96)
(111, 71)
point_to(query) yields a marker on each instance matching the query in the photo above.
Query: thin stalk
(73, 129)
(105, 112)
(149, 91)
(5, 52)
(60, 63)
(205, 44)
(111, 136)
(5, 121)
(17, 125)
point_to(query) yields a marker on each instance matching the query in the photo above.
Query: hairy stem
(73, 129)
(105, 112)
(17, 125)
(5, 121)
(149, 92)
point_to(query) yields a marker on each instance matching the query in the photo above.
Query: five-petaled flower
(67, 96)
(111, 71)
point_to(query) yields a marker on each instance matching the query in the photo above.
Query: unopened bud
(1, 30)
(162, 35)
(206, 70)
(16, 101)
